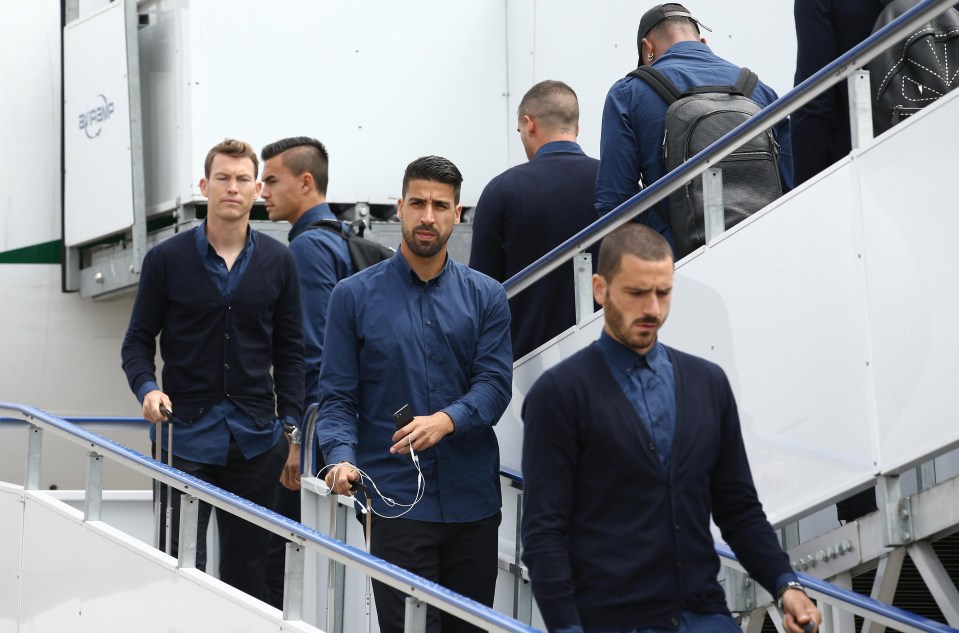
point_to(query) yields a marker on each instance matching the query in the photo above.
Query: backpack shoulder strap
(658, 82)
(334, 226)
(746, 83)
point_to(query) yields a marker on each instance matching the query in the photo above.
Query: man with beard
(421, 330)
(629, 447)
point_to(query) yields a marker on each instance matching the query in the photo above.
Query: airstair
(830, 312)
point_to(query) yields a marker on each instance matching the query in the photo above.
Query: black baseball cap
(658, 13)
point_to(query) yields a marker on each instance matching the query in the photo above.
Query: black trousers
(460, 556)
(243, 545)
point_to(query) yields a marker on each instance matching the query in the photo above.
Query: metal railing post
(34, 455)
(583, 284)
(186, 544)
(336, 574)
(860, 108)
(93, 498)
(293, 582)
(714, 211)
(415, 620)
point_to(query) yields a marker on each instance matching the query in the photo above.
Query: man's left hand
(424, 431)
(799, 610)
(290, 475)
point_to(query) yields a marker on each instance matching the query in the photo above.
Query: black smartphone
(403, 417)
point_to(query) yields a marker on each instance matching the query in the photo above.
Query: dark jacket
(523, 214)
(214, 348)
(613, 541)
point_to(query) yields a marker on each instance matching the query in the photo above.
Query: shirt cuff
(782, 580)
(338, 455)
(146, 388)
(289, 420)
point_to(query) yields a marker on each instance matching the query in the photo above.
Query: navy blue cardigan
(611, 540)
(213, 348)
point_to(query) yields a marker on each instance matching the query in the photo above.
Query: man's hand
(424, 431)
(152, 403)
(341, 478)
(290, 476)
(799, 610)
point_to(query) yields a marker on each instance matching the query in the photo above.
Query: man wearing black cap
(631, 151)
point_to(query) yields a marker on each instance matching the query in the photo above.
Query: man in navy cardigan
(629, 447)
(225, 302)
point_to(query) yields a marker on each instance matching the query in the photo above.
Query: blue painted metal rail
(769, 116)
(860, 604)
(409, 583)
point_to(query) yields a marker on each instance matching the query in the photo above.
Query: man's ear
(599, 288)
(306, 181)
(399, 209)
(459, 212)
(203, 185)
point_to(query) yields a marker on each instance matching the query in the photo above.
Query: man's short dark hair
(671, 24)
(434, 169)
(302, 154)
(631, 239)
(234, 148)
(553, 103)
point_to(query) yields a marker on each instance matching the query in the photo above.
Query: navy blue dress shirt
(438, 345)
(648, 382)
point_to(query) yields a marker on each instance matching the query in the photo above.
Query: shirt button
(676, 526)
(429, 322)
(226, 335)
(226, 365)
(652, 446)
(674, 622)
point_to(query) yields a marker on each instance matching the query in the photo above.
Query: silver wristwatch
(792, 584)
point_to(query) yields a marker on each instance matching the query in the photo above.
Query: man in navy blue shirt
(421, 330)
(530, 209)
(631, 146)
(225, 302)
(629, 448)
(295, 179)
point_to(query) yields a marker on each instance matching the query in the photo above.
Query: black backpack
(363, 252)
(694, 120)
(916, 71)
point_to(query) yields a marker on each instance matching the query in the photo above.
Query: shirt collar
(409, 276)
(557, 147)
(203, 244)
(683, 47)
(313, 215)
(626, 359)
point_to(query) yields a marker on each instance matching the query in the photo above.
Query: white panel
(779, 303)
(30, 135)
(911, 232)
(67, 348)
(88, 578)
(380, 83)
(97, 155)
(11, 509)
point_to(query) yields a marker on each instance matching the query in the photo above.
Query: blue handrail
(273, 522)
(864, 602)
(769, 116)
